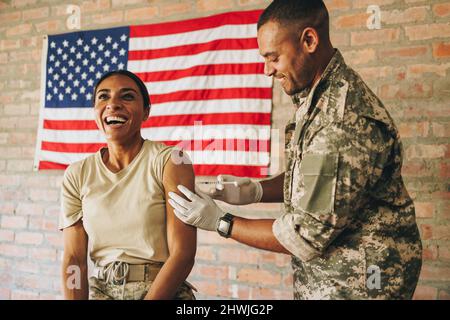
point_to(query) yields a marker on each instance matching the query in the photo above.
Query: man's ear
(310, 40)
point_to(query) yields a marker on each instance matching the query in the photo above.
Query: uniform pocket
(319, 173)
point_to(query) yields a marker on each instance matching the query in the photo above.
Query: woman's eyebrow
(128, 89)
(121, 90)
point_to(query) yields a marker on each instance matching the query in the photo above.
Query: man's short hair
(298, 13)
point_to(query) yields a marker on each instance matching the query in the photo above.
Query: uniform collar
(330, 71)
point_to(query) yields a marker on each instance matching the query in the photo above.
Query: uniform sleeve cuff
(284, 229)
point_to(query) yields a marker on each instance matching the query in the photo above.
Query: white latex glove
(201, 212)
(236, 190)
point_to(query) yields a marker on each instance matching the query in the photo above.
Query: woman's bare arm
(273, 189)
(74, 266)
(182, 238)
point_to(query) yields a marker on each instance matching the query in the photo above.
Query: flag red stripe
(72, 147)
(242, 171)
(191, 49)
(203, 70)
(190, 145)
(166, 28)
(70, 125)
(210, 94)
(172, 120)
(208, 119)
(200, 170)
(47, 165)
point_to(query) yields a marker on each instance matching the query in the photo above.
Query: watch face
(223, 226)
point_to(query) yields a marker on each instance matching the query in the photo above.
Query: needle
(217, 182)
(220, 185)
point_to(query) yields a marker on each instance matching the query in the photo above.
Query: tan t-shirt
(124, 213)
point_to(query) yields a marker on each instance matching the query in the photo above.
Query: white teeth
(116, 119)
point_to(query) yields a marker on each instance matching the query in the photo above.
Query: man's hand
(201, 212)
(236, 190)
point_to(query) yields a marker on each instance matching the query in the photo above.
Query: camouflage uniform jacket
(349, 221)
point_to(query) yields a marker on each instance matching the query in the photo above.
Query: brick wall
(406, 62)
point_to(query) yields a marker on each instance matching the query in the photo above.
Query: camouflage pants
(102, 290)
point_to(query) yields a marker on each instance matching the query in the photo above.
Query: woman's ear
(310, 40)
(146, 113)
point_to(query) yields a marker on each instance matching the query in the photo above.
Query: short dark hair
(132, 76)
(301, 13)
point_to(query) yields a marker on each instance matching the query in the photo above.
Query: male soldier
(349, 222)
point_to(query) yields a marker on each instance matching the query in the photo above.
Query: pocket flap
(319, 164)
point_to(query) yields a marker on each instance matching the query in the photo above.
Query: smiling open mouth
(115, 120)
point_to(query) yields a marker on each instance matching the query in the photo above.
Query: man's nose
(269, 70)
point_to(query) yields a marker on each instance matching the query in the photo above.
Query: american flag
(205, 78)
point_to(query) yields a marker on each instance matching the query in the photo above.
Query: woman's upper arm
(71, 205)
(182, 238)
(75, 241)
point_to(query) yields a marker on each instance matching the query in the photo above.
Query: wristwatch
(225, 224)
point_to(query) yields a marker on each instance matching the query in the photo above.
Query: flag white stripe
(63, 158)
(69, 114)
(210, 82)
(211, 106)
(172, 108)
(207, 132)
(203, 58)
(73, 136)
(197, 157)
(242, 31)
